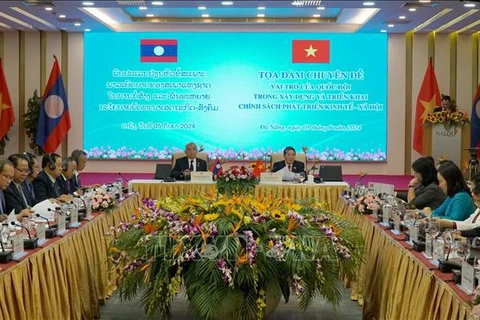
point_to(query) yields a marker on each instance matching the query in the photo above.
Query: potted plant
(31, 122)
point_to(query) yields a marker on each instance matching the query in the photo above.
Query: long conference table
(69, 277)
(327, 192)
(397, 282)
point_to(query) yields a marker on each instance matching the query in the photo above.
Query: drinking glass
(187, 175)
(302, 177)
(462, 249)
(432, 228)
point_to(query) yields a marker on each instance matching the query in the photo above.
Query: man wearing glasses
(45, 185)
(6, 176)
(15, 197)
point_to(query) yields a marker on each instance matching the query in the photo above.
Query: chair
(181, 154)
(278, 156)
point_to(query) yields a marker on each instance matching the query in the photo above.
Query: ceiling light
(150, 15)
(202, 8)
(261, 8)
(88, 3)
(6, 26)
(383, 30)
(469, 5)
(31, 16)
(77, 24)
(316, 16)
(320, 8)
(99, 14)
(62, 16)
(49, 8)
(260, 15)
(369, 3)
(412, 9)
(17, 21)
(87, 30)
(424, 1)
(402, 17)
(227, 3)
(391, 25)
(431, 20)
(205, 15)
(157, 3)
(143, 8)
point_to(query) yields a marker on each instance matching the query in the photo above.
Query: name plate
(468, 277)
(270, 178)
(17, 243)
(88, 203)
(74, 218)
(201, 176)
(61, 224)
(438, 249)
(414, 231)
(397, 222)
(428, 246)
(386, 216)
(40, 230)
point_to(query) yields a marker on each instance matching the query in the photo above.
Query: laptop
(331, 173)
(162, 171)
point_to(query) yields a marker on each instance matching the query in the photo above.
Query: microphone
(124, 190)
(5, 256)
(30, 243)
(59, 211)
(49, 232)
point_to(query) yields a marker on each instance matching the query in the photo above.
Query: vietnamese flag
(259, 168)
(311, 51)
(427, 100)
(7, 118)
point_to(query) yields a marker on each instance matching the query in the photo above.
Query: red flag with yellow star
(311, 51)
(428, 98)
(259, 168)
(7, 117)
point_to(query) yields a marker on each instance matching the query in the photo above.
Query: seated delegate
(188, 163)
(423, 189)
(289, 166)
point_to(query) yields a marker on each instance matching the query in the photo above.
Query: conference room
(124, 92)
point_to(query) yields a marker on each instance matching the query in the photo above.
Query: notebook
(162, 171)
(331, 173)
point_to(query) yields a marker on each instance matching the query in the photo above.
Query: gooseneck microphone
(123, 177)
(30, 243)
(50, 232)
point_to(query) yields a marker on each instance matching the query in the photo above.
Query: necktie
(289, 167)
(191, 165)
(2, 204)
(30, 189)
(22, 195)
(68, 186)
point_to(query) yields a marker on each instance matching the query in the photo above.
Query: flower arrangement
(448, 118)
(234, 255)
(236, 179)
(102, 201)
(367, 204)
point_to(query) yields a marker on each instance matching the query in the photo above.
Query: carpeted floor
(347, 310)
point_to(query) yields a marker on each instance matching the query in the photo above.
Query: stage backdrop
(239, 95)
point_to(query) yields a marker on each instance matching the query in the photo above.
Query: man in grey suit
(189, 163)
(15, 198)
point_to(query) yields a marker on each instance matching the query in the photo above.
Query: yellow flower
(260, 207)
(277, 214)
(237, 212)
(210, 217)
(247, 220)
(294, 206)
(289, 243)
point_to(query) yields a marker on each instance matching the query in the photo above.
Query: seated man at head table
(188, 163)
(65, 180)
(45, 185)
(15, 198)
(6, 177)
(289, 166)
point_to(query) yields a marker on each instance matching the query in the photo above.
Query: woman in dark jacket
(423, 189)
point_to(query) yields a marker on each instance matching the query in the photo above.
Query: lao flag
(54, 117)
(216, 167)
(475, 122)
(152, 50)
(311, 51)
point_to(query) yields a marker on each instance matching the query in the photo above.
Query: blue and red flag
(158, 50)
(216, 167)
(54, 117)
(475, 122)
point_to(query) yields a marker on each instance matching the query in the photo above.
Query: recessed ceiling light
(49, 8)
(202, 8)
(469, 5)
(87, 30)
(320, 8)
(260, 15)
(316, 16)
(150, 15)
(227, 3)
(77, 24)
(424, 1)
(412, 9)
(143, 8)
(61, 16)
(157, 3)
(369, 3)
(391, 25)
(402, 17)
(383, 30)
(261, 8)
(88, 3)
(205, 15)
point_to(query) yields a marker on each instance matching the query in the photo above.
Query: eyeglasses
(23, 172)
(6, 177)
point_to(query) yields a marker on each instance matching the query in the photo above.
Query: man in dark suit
(65, 180)
(6, 177)
(15, 198)
(34, 169)
(190, 163)
(80, 158)
(45, 185)
(289, 164)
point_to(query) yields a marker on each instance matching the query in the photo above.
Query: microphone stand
(5, 255)
(30, 243)
(81, 211)
(49, 232)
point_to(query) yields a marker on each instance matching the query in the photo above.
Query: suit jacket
(297, 166)
(77, 183)
(2, 200)
(65, 186)
(29, 192)
(183, 164)
(14, 200)
(44, 188)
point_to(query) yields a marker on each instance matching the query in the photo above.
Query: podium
(450, 143)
